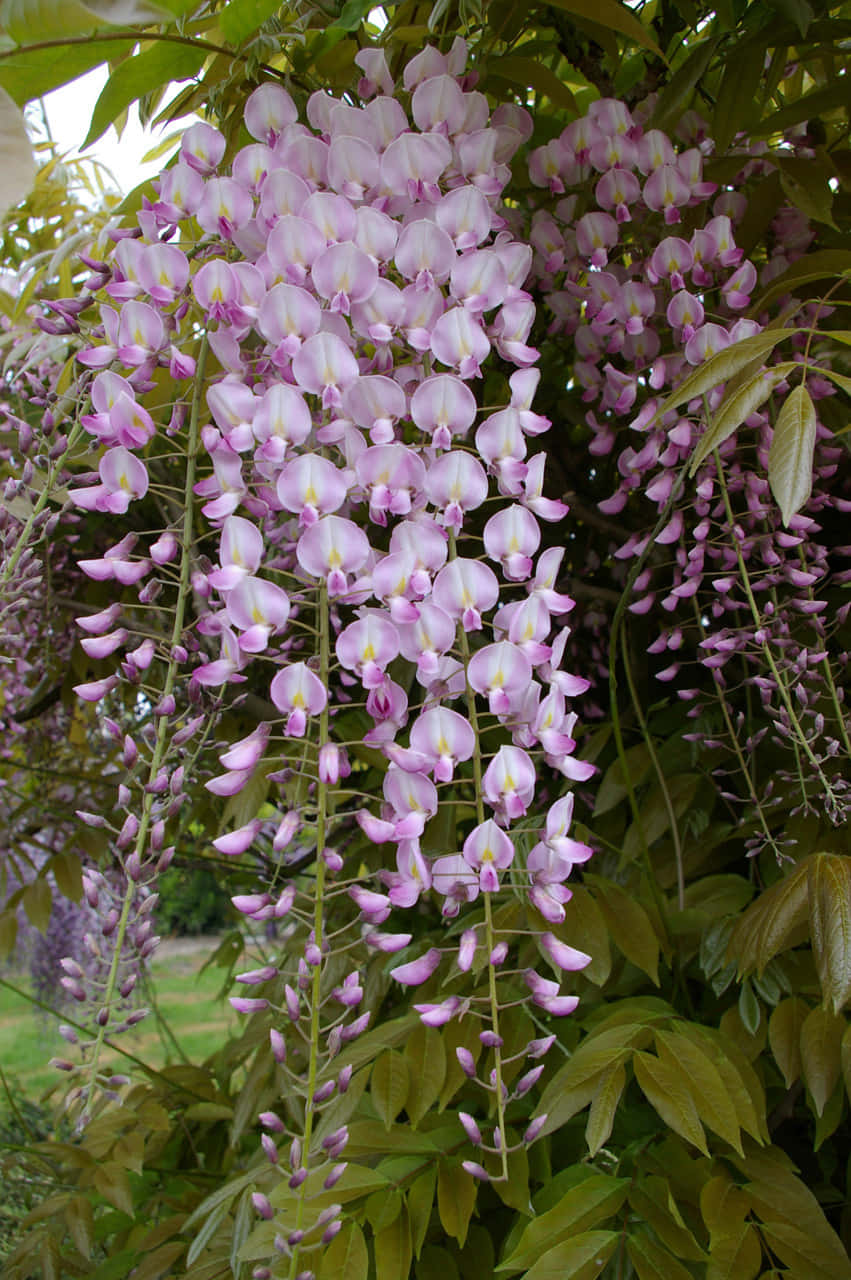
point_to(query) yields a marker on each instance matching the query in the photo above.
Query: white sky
(69, 111)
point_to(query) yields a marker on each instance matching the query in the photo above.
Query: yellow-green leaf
(829, 882)
(775, 921)
(389, 1085)
(652, 1261)
(608, 13)
(574, 1085)
(666, 1089)
(732, 412)
(528, 73)
(591, 1202)
(790, 456)
(581, 1258)
(426, 1059)
(241, 18)
(724, 1206)
(420, 1204)
(784, 1036)
(821, 1037)
(629, 924)
(137, 76)
(737, 1256)
(346, 1258)
(604, 1104)
(456, 1198)
(722, 366)
(734, 106)
(711, 1098)
(651, 1198)
(17, 163)
(393, 1249)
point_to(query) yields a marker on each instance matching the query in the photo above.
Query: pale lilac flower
(416, 972)
(508, 784)
(487, 850)
(298, 691)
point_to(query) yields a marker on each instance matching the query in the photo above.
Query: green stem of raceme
(489, 929)
(161, 742)
(318, 921)
(41, 502)
(799, 740)
(614, 645)
(660, 775)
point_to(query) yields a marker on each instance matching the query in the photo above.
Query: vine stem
(660, 775)
(318, 917)
(489, 930)
(41, 502)
(162, 728)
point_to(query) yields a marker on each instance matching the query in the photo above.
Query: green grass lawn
(187, 998)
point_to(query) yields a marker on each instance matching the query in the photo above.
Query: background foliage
(698, 1108)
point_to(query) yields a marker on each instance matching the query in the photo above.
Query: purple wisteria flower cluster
(375, 546)
(639, 264)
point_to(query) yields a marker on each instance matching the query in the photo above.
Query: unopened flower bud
(262, 1205)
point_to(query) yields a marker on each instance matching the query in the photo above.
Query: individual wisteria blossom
(365, 551)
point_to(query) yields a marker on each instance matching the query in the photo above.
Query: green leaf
(790, 457)
(389, 1084)
(604, 1104)
(713, 1102)
(652, 1261)
(829, 883)
(393, 1249)
(652, 1200)
(420, 1204)
(825, 264)
(594, 1200)
(242, 18)
(737, 1256)
(584, 927)
(666, 1088)
(426, 1059)
(629, 924)
(784, 1036)
(581, 1258)
(46, 19)
(723, 1205)
(137, 76)
(614, 16)
(574, 1085)
(346, 1257)
(526, 73)
(113, 1184)
(722, 366)
(733, 411)
(37, 901)
(456, 1199)
(677, 93)
(17, 163)
(811, 104)
(207, 1232)
(734, 106)
(776, 921)
(821, 1037)
(437, 1264)
(613, 789)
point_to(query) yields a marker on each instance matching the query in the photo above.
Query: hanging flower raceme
(335, 561)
